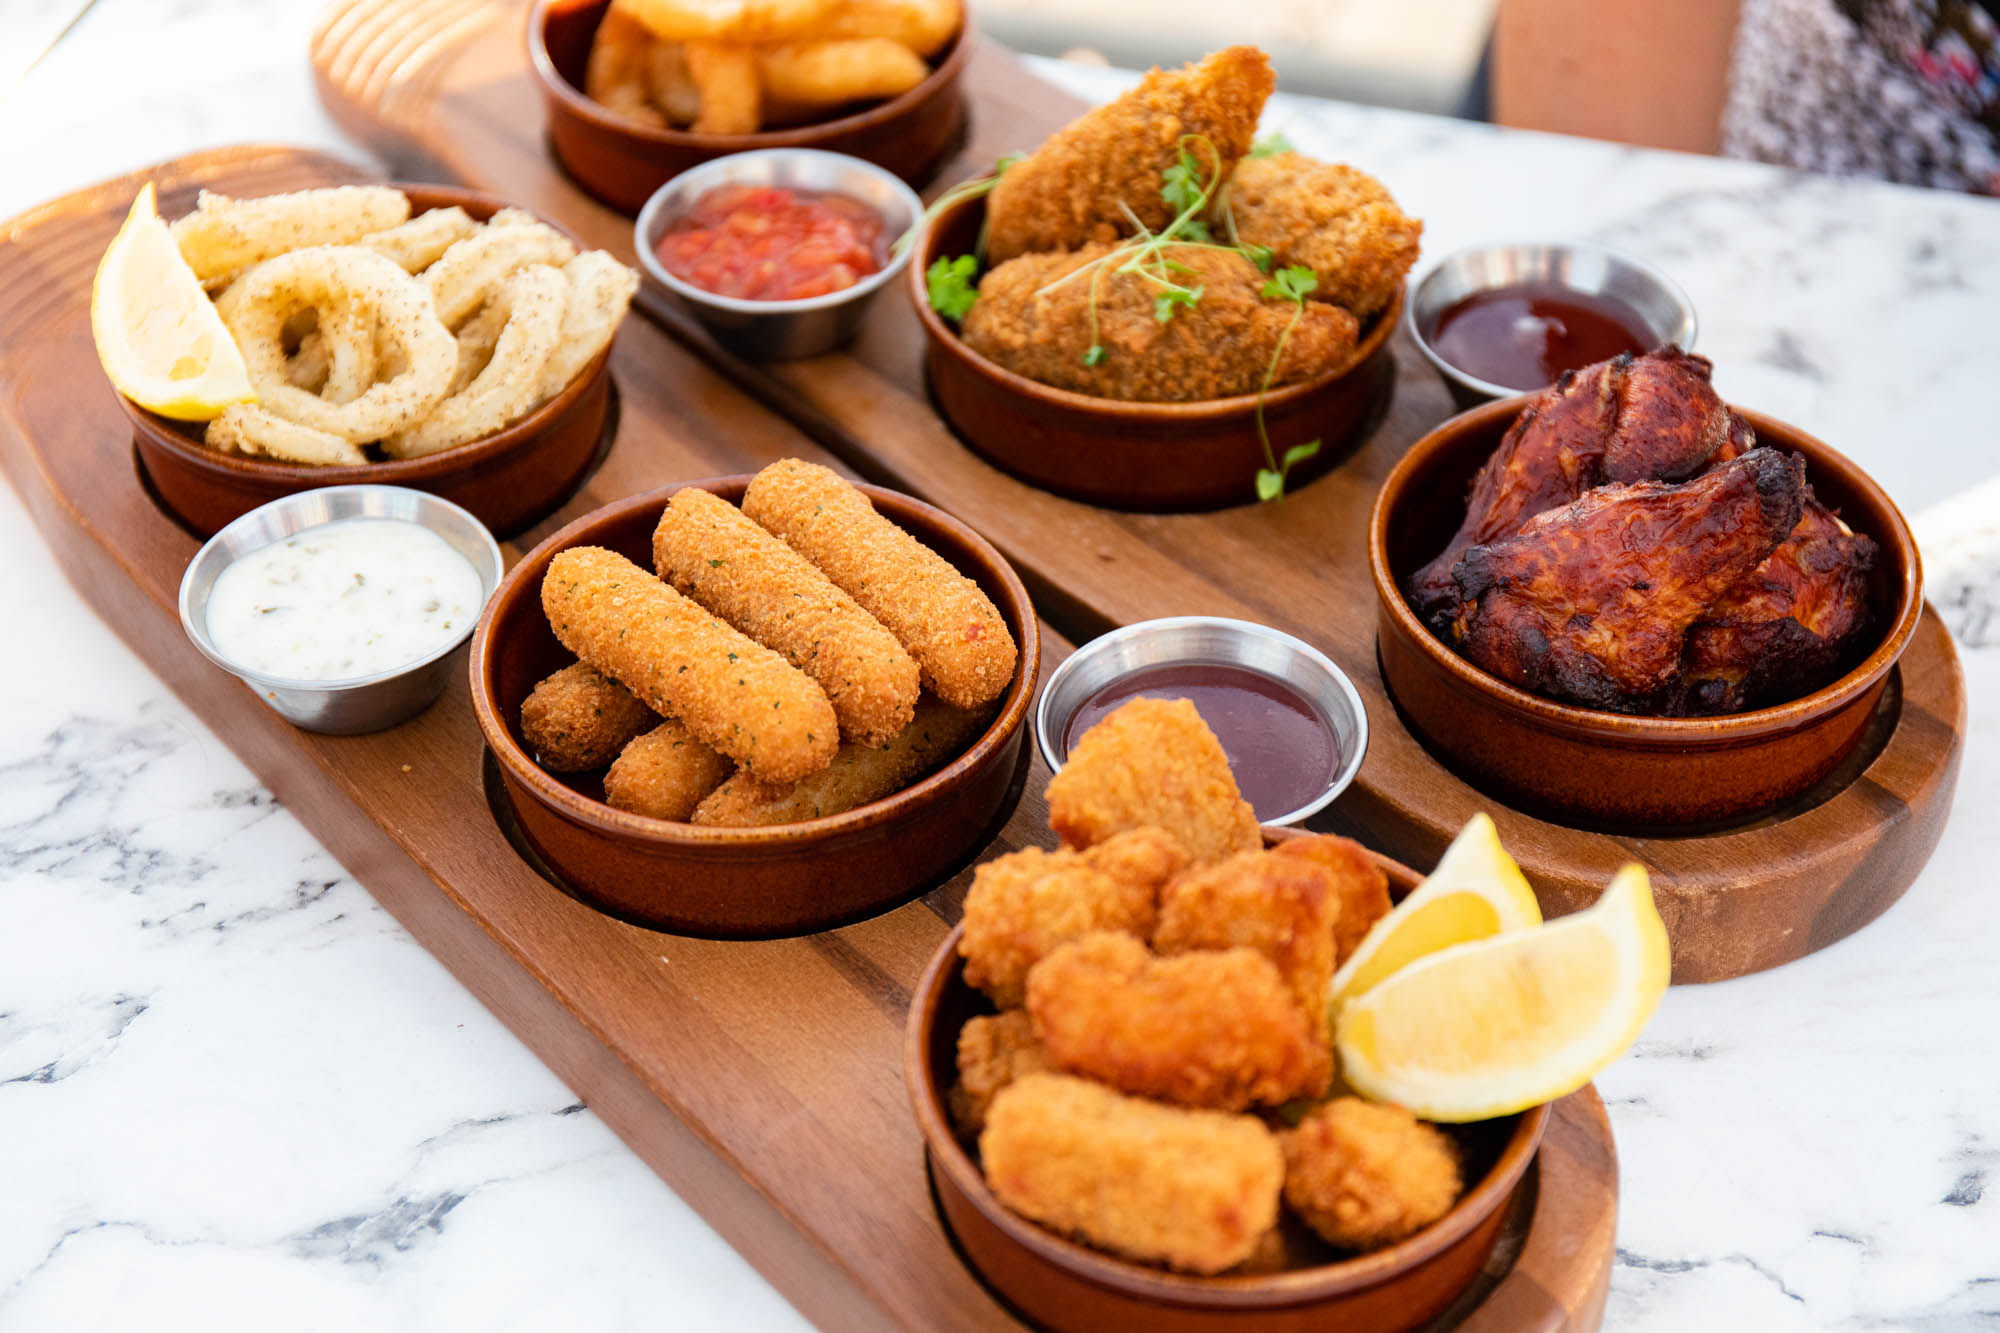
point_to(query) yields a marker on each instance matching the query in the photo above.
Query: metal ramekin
(1589, 269)
(361, 703)
(782, 330)
(1191, 640)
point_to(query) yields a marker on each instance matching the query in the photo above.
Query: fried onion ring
(468, 274)
(533, 301)
(600, 291)
(246, 428)
(346, 285)
(224, 236)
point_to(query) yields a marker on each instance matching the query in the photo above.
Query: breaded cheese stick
(952, 628)
(707, 549)
(731, 691)
(856, 776)
(579, 719)
(664, 773)
(1192, 1189)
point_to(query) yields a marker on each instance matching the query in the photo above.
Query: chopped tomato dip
(762, 243)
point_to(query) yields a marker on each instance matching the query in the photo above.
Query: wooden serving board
(444, 86)
(763, 1081)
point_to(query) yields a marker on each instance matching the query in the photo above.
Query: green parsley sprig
(1294, 284)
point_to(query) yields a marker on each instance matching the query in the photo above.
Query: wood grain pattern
(1752, 898)
(762, 1081)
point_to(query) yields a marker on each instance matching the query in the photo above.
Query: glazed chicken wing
(1630, 419)
(1591, 604)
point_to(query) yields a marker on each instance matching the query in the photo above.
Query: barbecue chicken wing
(1630, 419)
(1591, 603)
(1783, 629)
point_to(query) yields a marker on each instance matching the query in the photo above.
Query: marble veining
(235, 1095)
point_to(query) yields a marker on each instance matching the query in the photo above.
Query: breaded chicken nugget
(1336, 221)
(857, 775)
(1033, 318)
(579, 719)
(664, 773)
(732, 692)
(708, 549)
(963, 649)
(1284, 907)
(1153, 762)
(1067, 192)
(1358, 881)
(1026, 903)
(1215, 1029)
(993, 1051)
(1195, 1190)
(1364, 1176)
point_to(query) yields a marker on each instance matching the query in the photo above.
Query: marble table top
(234, 1094)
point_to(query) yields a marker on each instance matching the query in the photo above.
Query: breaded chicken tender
(857, 775)
(994, 1050)
(1284, 907)
(1033, 318)
(579, 719)
(1218, 1029)
(707, 548)
(1334, 220)
(1358, 880)
(1067, 193)
(1153, 762)
(1364, 1176)
(964, 650)
(664, 773)
(1195, 1190)
(1026, 903)
(731, 691)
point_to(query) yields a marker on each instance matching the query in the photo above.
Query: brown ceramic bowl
(622, 163)
(746, 883)
(1610, 770)
(507, 480)
(1059, 1284)
(1144, 456)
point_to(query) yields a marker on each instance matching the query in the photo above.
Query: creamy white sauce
(344, 599)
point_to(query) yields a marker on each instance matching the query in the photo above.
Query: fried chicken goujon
(1334, 220)
(1067, 193)
(1195, 1190)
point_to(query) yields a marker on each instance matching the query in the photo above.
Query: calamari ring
(417, 244)
(339, 282)
(224, 236)
(600, 291)
(246, 428)
(470, 272)
(534, 300)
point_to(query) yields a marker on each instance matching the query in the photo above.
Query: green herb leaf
(1260, 255)
(1180, 184)
(1270, 485)
(1001, 163)
(1291, 284)
(1172, 299)
(1299, 453)
(1270, 145)
(1194, 229)
(951, 285)
(1095, 355)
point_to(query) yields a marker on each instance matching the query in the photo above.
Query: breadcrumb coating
(1337, 221)
(994, 1050)
(1364, 1176)
(1359, 881)
(1153, 762)
(579, 719)
(664, 773)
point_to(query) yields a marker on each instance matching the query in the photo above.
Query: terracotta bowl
(1155, 457)
(1059, 1284)
(622, 163)
(1610, 770)
(507, 480)
(745, 883)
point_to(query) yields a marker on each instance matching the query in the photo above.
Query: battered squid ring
(342, 282)
(248, 429)
(225, 236)
(473, 269)
(532, 301)
(600, 289)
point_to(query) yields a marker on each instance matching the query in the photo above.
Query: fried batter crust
(664, 773)
(1339, 222)
(1359, 883)
(579, 719)
(994, 1050)
(1364, 1176)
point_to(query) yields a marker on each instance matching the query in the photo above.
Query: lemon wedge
(158, 336)
(1501, 1024)
(1476, 891)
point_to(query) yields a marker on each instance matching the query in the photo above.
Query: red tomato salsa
(762, 243)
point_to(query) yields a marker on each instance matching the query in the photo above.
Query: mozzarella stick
(961, 644)
(664, 773)
(732, 692)
(707, 549)
(579, 719)
(856, 776)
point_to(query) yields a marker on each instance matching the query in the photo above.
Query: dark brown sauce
(1281, 751)
(1527, 335)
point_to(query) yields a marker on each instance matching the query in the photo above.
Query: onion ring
(224, 236)
(534, 300)
(600, 291)
(246, 428)
(470, 272)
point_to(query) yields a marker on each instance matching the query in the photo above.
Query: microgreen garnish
(951, 286)
(1165, 303)
(1272, 144)
(1291, 284)
(1294, 284)
(1095, 356)
(1180, 184)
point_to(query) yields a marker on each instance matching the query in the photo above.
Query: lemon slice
(158, 336)
(1498, 1025)
(1475, 892)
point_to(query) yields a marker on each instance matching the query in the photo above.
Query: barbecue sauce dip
(1281, 751)
(1527, 335)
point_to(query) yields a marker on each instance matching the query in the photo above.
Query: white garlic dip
(341, 600)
